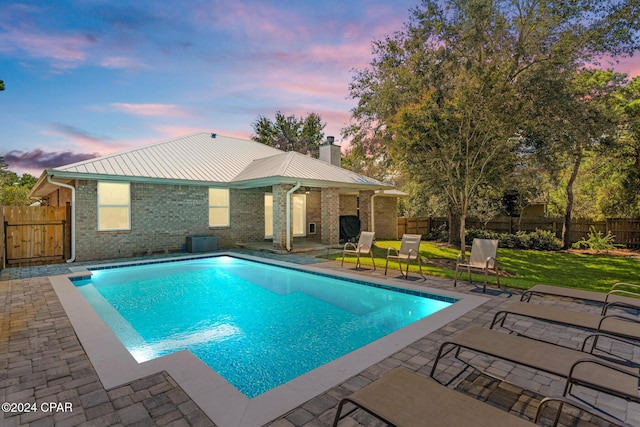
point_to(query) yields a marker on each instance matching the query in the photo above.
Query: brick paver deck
(42, 362)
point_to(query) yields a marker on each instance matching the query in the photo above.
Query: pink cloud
(257, 21)
(171, 110)
(122, 62)
(172, 131)
(65, 51)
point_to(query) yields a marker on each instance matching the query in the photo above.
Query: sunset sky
(91, 77)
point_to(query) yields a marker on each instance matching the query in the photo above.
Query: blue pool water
(256, 324)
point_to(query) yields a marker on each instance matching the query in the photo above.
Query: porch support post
(330, 214)
(279, 216)
(365, 210)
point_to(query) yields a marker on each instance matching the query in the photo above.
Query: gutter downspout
(288, 214)
(373, 215)
(73, 215)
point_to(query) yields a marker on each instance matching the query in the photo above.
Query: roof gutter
(73, 214)
(288, 214)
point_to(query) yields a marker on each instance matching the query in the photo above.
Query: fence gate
(35, 234)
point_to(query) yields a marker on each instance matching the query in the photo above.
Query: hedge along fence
(626, 231)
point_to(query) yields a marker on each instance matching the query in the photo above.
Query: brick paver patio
(42, 362)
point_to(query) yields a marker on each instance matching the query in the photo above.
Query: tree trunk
(463, 231)
(453, 228)
(566, 225)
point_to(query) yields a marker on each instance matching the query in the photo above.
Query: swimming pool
(256, 324)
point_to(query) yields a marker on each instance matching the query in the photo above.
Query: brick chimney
(330, 153)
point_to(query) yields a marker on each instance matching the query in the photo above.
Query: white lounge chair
(409, 250)
(363, 247)
(482, 259)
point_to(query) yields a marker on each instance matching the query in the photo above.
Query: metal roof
(298, 166)
(197, 157)
(202, 158)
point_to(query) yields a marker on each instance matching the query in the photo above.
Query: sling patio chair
(616, 379)
(402, 398)
(363, 247)
(409, 250)
(619, 326)
(622, 295)
(482, 259)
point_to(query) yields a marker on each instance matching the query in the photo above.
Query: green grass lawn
(523, 268)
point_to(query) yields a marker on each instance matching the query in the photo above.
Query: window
(114, 206)
(218, 207)
(268, 216)
(298, 215)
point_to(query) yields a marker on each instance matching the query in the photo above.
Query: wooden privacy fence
(626, 231)
(35, 234)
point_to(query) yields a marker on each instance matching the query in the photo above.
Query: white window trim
(128, 206)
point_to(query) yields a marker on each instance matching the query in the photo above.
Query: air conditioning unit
(202, 244)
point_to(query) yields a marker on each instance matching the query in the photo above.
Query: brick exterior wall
(162, 216)
(330, 216)
(386, 217)
(279, 218)
(348, 204)
(365, 210)
(314, 214)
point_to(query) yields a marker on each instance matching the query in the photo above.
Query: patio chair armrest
(389, 249)
(573, 403)
(619, 304)
(622, 293)
(489, 261)
(608, 336)
(625, 284)
(459, 259)
(350, 245)
(616, 316)
(608, 365)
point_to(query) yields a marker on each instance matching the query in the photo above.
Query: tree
(1, 85)
(450, 94)
(14, 190)
(578, 119)
(290, 133)
(619, 184)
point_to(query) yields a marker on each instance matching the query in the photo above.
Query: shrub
(544, 240)
(440, 234)
(596, 241)
(539, 240)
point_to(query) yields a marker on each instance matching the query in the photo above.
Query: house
(150, 199)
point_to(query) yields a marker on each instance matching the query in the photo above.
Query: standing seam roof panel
(199, 157)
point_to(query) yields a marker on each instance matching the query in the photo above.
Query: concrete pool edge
(224, 404)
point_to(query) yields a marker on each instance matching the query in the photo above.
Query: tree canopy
(290, 133)
(14, 189)
(447, 98)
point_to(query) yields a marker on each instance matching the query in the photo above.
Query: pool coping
(223, 403)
